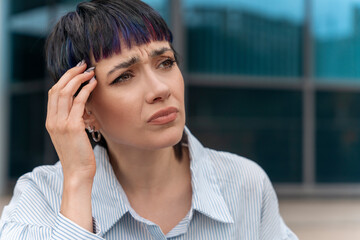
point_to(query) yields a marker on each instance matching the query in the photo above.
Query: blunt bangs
(99, 28)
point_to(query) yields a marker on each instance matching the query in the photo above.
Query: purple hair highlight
(128, 33)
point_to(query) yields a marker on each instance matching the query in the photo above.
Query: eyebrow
(136, 59)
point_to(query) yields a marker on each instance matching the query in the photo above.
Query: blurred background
(275, 81)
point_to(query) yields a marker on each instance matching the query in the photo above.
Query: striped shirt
(232, 199)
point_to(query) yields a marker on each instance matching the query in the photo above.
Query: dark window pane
(27, 58)
(245, 37)
(338, 137)
(27, 133)
(263, 125)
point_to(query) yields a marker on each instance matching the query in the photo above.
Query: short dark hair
(98, 28)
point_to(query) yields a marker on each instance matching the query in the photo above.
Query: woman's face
(139, 98)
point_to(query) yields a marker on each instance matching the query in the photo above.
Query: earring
(90, 130)
(96, 135)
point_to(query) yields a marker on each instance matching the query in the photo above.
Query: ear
(90, 119)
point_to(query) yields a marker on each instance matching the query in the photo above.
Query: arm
(66, 127)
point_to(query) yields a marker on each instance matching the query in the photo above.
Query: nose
(157, 90)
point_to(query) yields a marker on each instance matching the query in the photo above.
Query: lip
(164, 116)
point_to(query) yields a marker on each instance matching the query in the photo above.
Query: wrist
(77, 184)
(76, 201)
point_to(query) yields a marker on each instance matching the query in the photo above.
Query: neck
(147, 172)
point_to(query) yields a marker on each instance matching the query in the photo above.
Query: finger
(53, 92)
(78, 106)
(51, 105)
(70, 74)
(66, 95)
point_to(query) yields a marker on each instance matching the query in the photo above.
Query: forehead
(140, 51)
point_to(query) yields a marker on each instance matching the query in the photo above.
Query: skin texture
(141, 152)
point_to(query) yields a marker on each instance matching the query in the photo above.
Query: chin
(169, 137)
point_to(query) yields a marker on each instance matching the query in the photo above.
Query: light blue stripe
(232, 199)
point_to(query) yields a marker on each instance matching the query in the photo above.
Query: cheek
(116, 108)
(178, 87)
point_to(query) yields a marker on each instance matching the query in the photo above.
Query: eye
(122, 78)
(168, 63)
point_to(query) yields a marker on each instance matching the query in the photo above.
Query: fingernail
(80, 63)
(90, 69)
(92, 80)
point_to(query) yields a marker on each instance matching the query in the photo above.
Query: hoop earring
(96, 135)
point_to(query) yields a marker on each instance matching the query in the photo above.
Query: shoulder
(36, 196)
(46, 179)
(230, 171)
(243, 184)
(232, 167)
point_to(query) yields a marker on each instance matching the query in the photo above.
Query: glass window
(17, 6)
(263, 125)
(244, 37)
(338, 137)
(28, 61)
(162, 6)
(27, 130)
(336, 30)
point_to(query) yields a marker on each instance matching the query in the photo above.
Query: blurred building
(277, 82)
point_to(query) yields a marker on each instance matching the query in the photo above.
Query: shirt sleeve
(31, 215)
(272, 225)
(67, 229)
(64, 229)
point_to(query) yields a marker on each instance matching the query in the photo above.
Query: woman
(147, 177)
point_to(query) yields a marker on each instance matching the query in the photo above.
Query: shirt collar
(110, 203)
(207, 198)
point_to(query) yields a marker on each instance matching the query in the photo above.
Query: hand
(65, 123)
(66, 127)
